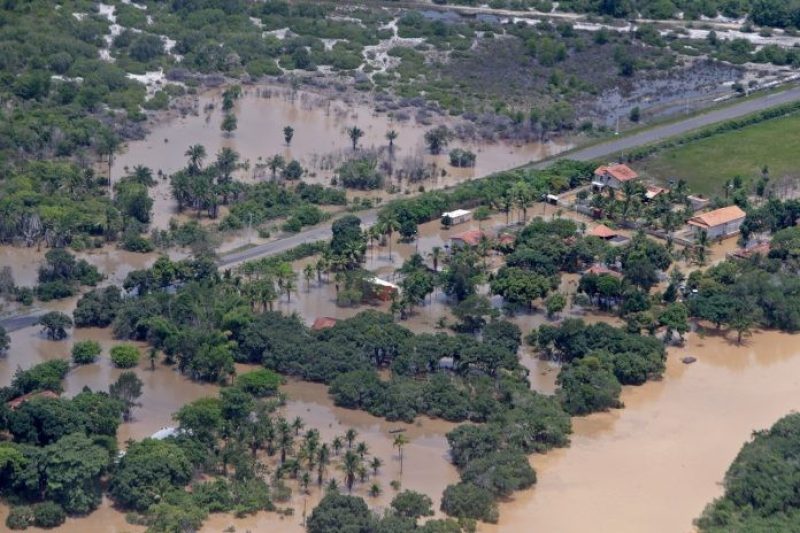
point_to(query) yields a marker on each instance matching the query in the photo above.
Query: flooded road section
(320, 142)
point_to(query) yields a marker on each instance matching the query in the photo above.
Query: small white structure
(719, 223)
(164, 432)
(383, 289)
(459, 216)
(613, 176)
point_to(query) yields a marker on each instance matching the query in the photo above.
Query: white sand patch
(279, 34)
(133, 4)
(257, 22)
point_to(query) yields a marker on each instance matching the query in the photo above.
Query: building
(468, 238)
(382, 289)
(602, 270)
(719, 223)
(601, 231)
(16, 402)
(651, 191)
(614, 176)
(459, 216)
(323, 322)
(698, 202)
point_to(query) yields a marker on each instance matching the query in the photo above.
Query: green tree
(85, 352)
(339, 512)
(588, 385)
(412, 505)
(288, 133)
(437, 139)
(400, 442)
(229, 123)
(72, 472)
(125, 356)
(127, 389)
(55, 324)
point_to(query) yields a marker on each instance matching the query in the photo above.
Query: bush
(262, 382)
(462, 158)
(20, 517)
(361, 174)
(125, 356)
(466, 500)
(85, 352)
(48, 514)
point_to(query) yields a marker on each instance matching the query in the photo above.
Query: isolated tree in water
(229, 124)
(128, 389)
(355, 133)
(288, 133)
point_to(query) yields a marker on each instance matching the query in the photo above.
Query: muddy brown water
(319, 142)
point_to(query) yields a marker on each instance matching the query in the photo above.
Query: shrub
(20, 517)
(48, 514)
(462, 158)
(85, 352)
(262, 382)
(466, 500)
(125, 356)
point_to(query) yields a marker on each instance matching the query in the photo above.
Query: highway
(610, 149)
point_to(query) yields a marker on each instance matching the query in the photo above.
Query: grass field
(707, 164)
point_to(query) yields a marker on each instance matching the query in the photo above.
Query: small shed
(601, 231)
(383, 289)
(459, 216)
(651, 191)
(698, 202)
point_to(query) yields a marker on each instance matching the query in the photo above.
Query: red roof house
(16, 402)
(323, 322)
(602, 231)
(613, 176)
(469, 238)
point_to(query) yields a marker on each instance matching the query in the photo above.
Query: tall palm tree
(376, 464)
(337, 445)
(362, 449)
(388, 227)
(355, 133)
(285, 438)
(350, 464)
(308, 274)
(400, 442)
(391, 136)
(350, 436)
(323, 459)
(297, 425)
(435, 255)
(196, 154)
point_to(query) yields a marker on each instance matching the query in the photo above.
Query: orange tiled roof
(16, 402)
(323, 322)
(718, 217)
(472, 237)
(620, 172)
(602, 231)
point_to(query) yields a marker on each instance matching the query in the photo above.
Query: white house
(613, 176)
(719, 223)
(458, 216)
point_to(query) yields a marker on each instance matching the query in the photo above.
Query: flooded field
(320, 143)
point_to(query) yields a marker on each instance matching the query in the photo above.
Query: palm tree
(305, 481)
(321, 266)
(308, 273)
(435, 255)
(297, 425)
(399, 442)
(196, 153)
(375, 490)
(362, 449)
(376, 464)
(355, 133)
(323, 458)
(350, 436)
(362, 472)
(391, 136)
(276, 163)
(285, 438)
(289, 286)
(388, 227)
(350, 464)
(337, 445)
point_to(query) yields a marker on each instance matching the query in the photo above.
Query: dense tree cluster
(61, 275)
(761, 484)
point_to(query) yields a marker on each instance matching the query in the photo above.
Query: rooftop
(323, 322)
(620, 172)
(718, 217)
(16, 402)
(602, 231)
(456, 214)
(599, 270)
(472, 237)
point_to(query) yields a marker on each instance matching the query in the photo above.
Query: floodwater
(320, 143)
(654, 465)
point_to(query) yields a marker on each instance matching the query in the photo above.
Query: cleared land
(707, 164)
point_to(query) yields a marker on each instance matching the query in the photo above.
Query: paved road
(611, 149)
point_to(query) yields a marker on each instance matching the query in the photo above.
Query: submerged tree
(288, 133)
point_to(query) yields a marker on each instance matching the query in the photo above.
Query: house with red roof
(468, 238)
(601, 231)
(323, 322)
(614, 176)
(719, 223)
